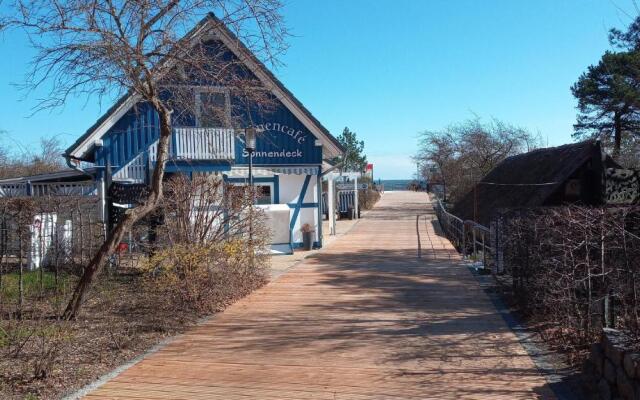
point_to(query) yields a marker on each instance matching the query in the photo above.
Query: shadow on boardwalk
(363, 319)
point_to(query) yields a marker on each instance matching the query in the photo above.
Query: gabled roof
(525, 180)
(80, 149)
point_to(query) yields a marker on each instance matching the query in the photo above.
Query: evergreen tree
(609, 95)
(609, 99)
(354, 159)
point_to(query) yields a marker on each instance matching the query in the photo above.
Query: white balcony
(189, 144)
(199, 144)
(203, 144)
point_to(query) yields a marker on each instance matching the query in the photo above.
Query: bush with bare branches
(213, 246)
(461, 154)
(368, 198)
(202, 249)
(575, 270)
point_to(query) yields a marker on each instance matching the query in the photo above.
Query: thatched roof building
(573, 173)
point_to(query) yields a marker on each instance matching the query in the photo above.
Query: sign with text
(351, 186)
(281, 139)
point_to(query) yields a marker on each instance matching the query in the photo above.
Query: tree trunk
(114, 237)
(617, 135)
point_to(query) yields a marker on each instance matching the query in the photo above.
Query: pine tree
(354, 159)
(609, 95)
(609, 99)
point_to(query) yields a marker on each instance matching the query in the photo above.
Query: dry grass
(42, 357)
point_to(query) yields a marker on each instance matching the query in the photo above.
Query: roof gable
(81, 148)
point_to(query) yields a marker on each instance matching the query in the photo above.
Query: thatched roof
(527, 180)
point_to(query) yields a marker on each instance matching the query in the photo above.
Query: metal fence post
(464, 241)
(484, 252)
(475, 251)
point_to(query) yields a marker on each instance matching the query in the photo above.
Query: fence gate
(123, 196)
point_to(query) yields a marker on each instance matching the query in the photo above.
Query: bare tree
(464, 153)
(146, 49)
(29, 162)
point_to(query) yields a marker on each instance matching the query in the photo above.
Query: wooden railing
(199, 144)
(186, 144)
(13, 189)
(24, 189)
(64, 189)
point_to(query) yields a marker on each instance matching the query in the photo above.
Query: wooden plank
(363, 319)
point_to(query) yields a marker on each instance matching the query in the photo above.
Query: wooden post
(107, 198)
(102, 196)
(484, 252)
(331, 200)
(418, 235)
(355, 197)
(320, 210)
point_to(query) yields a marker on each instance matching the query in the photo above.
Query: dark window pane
(213, 111)
(263, 194)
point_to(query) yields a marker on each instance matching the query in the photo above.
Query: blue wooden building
(291, 152)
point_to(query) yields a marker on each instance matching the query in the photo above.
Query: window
(263, 194)
(264, 191)
(213, 108)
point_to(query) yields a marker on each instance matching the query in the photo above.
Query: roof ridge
(543, 149)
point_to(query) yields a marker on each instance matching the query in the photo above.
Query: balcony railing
(200, 144)
(192, 144)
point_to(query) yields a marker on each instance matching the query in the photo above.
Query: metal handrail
(460, 231)
(480, 237)
(452, 226)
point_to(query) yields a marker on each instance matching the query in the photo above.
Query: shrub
(205, 277)
(214, 248)
(568, 262)
(368, 198)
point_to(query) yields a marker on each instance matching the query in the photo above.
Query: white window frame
(255, 184)
(198, 91)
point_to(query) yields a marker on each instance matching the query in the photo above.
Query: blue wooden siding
(284, 140)
(132, 134)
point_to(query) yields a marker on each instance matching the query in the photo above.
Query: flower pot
(307, 240)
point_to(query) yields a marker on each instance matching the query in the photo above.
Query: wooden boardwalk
(364, 319)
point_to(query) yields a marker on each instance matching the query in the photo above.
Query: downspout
(75, 167)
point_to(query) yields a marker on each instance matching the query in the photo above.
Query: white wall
(290, 187)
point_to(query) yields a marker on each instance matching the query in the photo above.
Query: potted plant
(307, 236)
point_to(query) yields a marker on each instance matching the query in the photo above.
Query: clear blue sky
(390, 69)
